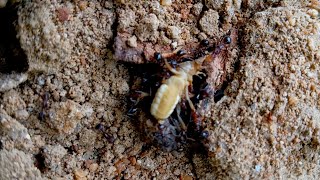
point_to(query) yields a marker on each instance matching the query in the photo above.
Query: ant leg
(195, 116)
(135, 99)
(143, 94)
(178, 51)
(200, 73)
(171, 68)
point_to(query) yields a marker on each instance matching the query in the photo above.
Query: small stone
(41, 81)
(258, 168)
(65, 116)
(133, 160)
(93, 167)
(9, 81)
(147, 30)
(166, 2)
(15, 164)
(197, 9)
(14, 131)
(132, 42)
(209, 22)
(3, 3)
(83, 5)
(174, 45)
(53, 154)
(21, 114)
(293, 101)
(63, 14)
(79, 174)
(174, 32)
(313, 13)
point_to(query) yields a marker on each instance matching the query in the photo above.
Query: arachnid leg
(177, 52)
(182, 124)
(138, 96)
(189, 100)
(135, 99)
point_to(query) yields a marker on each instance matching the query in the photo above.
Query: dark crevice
(12, 57)
(40, 162)
(114, 29)
(218, 95)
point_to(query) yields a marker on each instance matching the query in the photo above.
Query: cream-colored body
(169, 94)
(167, 97)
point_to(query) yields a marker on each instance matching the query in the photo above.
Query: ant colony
(165, 94)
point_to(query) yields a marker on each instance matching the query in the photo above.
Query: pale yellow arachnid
(169, 93)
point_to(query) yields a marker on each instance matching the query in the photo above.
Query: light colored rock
(174, 32)
(209, 22)
(13, 133)
(148, 28)
(9, 81)
(166, 2)
(3, 3)
(132, 42)
(16, 164)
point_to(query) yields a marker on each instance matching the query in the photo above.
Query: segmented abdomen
(167, 97)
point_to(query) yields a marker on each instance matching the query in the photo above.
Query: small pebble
(80, 174)
(174, 32)
(93, 167)
(166, 2)
(174, 45)
(258, 168)
(132, 42)
(3, 3)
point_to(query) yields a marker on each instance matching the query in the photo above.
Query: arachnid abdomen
(167, 97)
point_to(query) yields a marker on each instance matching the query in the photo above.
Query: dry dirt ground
(65, 83)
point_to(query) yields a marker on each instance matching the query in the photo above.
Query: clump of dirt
(269, 117)
(16, 164)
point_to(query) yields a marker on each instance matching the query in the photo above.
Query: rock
(132, 42)
(197, 9)
(148, 28)
(80, 174)
(166, 2)
(53, 155)
(16, 164)
(214, 4)
(3, 3)
(9, 81)
(13, 134)
(14, 105)
(209, 22)
(174, 32)
(65, 116)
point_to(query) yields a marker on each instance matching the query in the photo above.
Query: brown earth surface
(66, 79)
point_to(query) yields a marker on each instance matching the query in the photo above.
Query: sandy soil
(64, 108)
